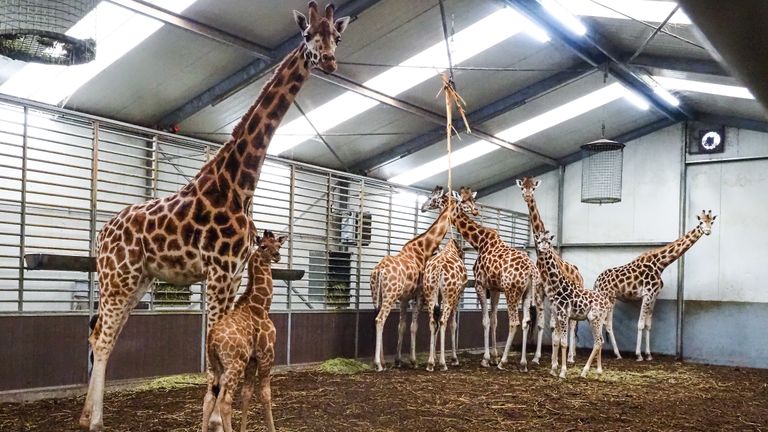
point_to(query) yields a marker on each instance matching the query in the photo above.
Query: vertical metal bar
(23, 212)
(156, 164)
(560, 201)
(291, 208)
(328, 214)
(361, 220)
(680, 312)
(389, 224)
(94, 207)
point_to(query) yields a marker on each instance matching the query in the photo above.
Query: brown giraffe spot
(224, 248)
(237, 246)
(171, 227)
(211, 237)
(201, 215)
(173, 245)
(183, 210)
(228, 231)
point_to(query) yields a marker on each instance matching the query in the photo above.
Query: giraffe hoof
(398, 363)
(85, 421)
(443, 367)
(618, 357)
(649, 357)
(523, 368)
(562, 375)
(553, 372)
(583, 374)
(430, 367)
(455, 362)
(484, 363)
(639, 358)
(535, 361)
(97, 427)
(379, 368)
(571, 361)
(599, 371)
(500, 366)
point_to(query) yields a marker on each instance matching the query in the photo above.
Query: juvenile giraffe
(243, 342)
(640, 280)
(499, 268)
(570, 271)
(571, 302)
(444, 278)
(203, 231)
(397, 278)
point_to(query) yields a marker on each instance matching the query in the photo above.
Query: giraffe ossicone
(203, 232)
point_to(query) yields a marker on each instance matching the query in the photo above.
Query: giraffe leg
(445, 316)
(572, 340)
(562, 323)
(414, 328)
(209, 401)
(381, 318)
(114, 308)
(514, 322)
(432, 333)
(555, 348)
(228, 383)
(486, 323)
(539, 326)
(249, 383)
(401, 332)
(596, 323)
(454, 337)
(494, 324)
(266, 358)
(648, 320)
(644, 310)
(609, 330)
(526, 325)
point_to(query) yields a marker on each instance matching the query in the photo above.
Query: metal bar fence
(65, 174)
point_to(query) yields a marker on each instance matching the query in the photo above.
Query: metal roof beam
(574, 157)
(595, 49)
(251, 72)
(483, 114)
(734, 122)
(426, 114)
(706, 67)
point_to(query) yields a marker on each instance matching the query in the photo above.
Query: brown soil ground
(658, 395)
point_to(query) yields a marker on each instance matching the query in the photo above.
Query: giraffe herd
(205, 232)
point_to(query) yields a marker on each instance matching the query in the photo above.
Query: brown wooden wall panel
(280, 320)
(154, 345)
(321, 336)
(471, 330)
(43, 351)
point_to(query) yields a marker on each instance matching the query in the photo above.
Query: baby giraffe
(571, 302)
(244, 342)
(444, 279)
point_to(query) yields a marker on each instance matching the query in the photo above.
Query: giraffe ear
(474, 194)
(714, 217)
(282, 239)
(329, 9)
(455, 195)
(301, 20)
(519, 183)
(341, 24)
(257, 239)
(536, 184)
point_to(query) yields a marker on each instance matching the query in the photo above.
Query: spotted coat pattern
(242, 343)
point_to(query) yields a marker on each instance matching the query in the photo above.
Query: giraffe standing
(444, 278)
(570, 271)
(571, 302)
(640, 280)
(397, 278)
(203, 231)
(499, 268)
(243, 342)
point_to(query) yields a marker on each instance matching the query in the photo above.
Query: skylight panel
(118, 31)
(644, 10)
(565, 17)
(517, 132)
(467, 43)
(703, 87)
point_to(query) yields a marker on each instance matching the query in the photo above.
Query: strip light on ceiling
(518, 132)
(565, 17)
(467, 43)
(703, 87)
(118, 31)
(643, 10)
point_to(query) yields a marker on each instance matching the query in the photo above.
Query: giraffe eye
(338, 39)
(307, 37)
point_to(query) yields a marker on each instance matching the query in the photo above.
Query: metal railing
(64, 174)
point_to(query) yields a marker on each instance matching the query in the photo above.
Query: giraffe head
(268, 247)
(706, 220)
(435, 199)
(543, 241)
(467, 200)
(528, 185)
(321, 35)
(438, 199)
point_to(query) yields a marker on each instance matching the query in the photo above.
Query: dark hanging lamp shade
(34, 31)
(601, 171)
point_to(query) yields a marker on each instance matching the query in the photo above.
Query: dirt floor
(658, 395)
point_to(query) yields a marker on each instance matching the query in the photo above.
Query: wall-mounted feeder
(35, 31)
(601, 170)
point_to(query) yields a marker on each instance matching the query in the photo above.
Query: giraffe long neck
(537, 224)
(238, 163)
(552, 273)
(427, 242)
(258, 292)
(668, 254)
(475, 234)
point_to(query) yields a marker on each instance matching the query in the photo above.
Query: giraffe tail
(437, 309)
(376, 289)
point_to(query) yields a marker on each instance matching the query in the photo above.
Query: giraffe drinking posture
(243, 341)
(570, 302)
(499, 268)
(444, 278)
(641, 280)
(203, 231)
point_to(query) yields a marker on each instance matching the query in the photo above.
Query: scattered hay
(171, 383)
(343, 366)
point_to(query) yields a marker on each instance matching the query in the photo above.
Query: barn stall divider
(64, 174)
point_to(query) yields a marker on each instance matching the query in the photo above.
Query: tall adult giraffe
(203, 232)
(568, 270)
(397, 277)
(640, 280)
(498, 268)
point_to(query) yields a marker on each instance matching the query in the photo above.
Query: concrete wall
(723, 292)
